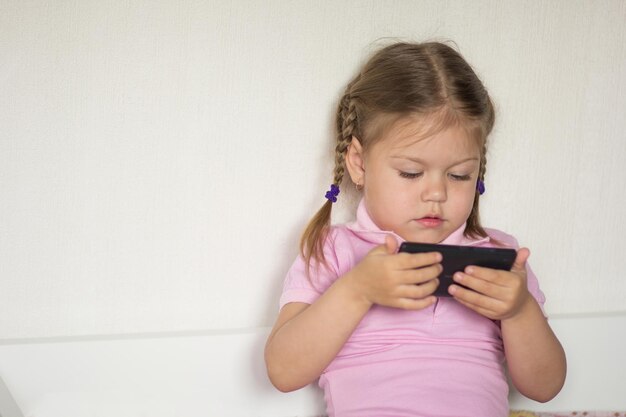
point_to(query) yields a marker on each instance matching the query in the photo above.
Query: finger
(414, 304)
(418, 291)
(418, 260)
(382, 249)
(493, 286)
(474, 299)
(494, 275)
(389, 247)
(520, 260)
(420, 275)
(486, 274)
(480, 310)
(391, 244)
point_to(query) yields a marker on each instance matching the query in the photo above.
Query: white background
(159, 159)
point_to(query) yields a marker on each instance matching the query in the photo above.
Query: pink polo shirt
(445, 360)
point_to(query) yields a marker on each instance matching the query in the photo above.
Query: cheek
(383, 182)
(470, 203)
(465, 197)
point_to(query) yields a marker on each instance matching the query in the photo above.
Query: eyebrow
(419, 161)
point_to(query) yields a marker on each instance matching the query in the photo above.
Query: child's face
(422, 189)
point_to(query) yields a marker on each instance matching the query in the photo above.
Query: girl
(412, 129)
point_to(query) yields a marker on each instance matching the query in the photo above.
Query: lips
(430, 221)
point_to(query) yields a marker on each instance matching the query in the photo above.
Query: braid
(474, 228)
(483, 161)
(346, 121)
(312, 241)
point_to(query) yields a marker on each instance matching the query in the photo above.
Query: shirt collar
(366, 229)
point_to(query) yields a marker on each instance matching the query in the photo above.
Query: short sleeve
(533, 287)
(303, 287)
(531, 280)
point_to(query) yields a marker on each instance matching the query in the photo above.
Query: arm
(535, 357)
(306, 338)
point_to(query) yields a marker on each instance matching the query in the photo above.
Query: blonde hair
(405, 79)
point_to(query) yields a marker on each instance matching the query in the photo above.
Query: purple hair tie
(332, 193)
(480, 187)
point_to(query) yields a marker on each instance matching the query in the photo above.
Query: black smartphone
(457, 258)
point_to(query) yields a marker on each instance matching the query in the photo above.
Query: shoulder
(339, 233)
(345, 247)
(336, 246)
(340, 243)
(503, 238)
(304, 282)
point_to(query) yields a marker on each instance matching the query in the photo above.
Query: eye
(460, 177)
(410, 175)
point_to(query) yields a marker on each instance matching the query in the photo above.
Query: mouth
(430, 221)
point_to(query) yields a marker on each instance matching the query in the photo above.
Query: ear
(355, 161)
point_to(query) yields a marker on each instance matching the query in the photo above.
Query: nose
(434, 190)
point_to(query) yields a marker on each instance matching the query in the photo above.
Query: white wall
(158, 160)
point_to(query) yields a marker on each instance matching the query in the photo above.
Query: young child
(412, 130)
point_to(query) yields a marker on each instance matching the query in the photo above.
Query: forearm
(299, 350)
(535, 357)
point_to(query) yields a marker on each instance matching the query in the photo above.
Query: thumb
(388, 248)
(391, 244)
(520, 260)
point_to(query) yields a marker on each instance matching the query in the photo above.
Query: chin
(423, 238)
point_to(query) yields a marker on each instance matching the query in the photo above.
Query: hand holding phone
(457, 258)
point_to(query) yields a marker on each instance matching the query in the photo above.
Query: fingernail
(458, 276)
